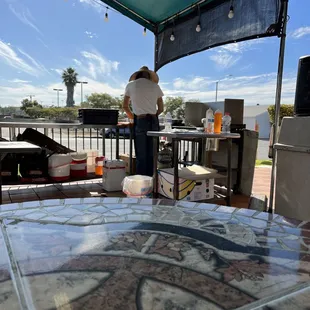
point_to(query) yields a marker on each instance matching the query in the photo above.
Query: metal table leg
(117, 143)
(229, 170)
(203, 152)
(0, 180)
(155, 158)
(103, 141)
(130, 151)
(175, 146)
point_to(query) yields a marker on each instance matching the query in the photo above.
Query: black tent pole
(278, 104)
(155, 51)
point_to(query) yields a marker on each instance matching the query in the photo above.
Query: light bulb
(231, 13)
(144, 32)
(172, 37)
(198, 27)
(106, 17)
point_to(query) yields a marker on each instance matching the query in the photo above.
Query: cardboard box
(125, 158)
(189, 189)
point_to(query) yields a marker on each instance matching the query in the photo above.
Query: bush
(66, 114)
(285, 110)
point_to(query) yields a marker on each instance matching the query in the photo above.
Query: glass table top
(114, 253)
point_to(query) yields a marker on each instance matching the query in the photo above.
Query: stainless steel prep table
(176, 137)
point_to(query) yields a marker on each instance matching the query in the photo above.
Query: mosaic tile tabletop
(113, 253)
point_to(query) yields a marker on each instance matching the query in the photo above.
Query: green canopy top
(155, 14)
(185, 27)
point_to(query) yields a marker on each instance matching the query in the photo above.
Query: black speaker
(302, 96)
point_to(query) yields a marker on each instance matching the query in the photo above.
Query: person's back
(143, 94)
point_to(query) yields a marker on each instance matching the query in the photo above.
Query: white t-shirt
(143, 94)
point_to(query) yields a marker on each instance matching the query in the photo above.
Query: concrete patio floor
(262, 179)
(93, 188)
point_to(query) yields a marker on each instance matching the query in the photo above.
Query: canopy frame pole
(278, 105)
(155, 51)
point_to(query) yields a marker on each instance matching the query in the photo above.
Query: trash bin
(293, 168)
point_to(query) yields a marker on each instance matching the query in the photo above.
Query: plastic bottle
(161, 120)
(209, 122)
(168, 122)
(226, 123)
(217, 121)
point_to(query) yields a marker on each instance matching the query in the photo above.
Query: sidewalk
(262, 179)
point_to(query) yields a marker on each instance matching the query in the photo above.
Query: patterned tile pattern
(121, 253)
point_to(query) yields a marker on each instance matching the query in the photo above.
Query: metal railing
(109, 140)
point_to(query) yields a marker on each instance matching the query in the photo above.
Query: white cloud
(12, 95)
(193, 84)
(33, 61)
(43, 43)
(22, 13)
(91, 35)
(300, 32)
(9, 56)
(19, 81)
(96, 64)
(94, 4)
(228, 55)
(77, 62)
(58, 71)
(253, 89)
(225, 60)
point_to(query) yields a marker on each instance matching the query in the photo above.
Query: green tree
(27, 104)
(69, 78)
(285, 110)
(176, 107)
(102, 101)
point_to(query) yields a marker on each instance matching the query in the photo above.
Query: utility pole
(217, 85)
(58, 90)
(82, 82)
(31, 97)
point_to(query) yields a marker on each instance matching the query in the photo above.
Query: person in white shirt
(145, 96)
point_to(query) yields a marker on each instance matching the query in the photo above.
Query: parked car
(111, 132)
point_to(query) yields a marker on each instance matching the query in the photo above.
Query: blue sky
(40, 38)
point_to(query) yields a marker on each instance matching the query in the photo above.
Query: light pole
(217, 85)
(58, 90)
(82, 82)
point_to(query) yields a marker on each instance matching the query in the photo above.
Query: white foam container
(114, 172)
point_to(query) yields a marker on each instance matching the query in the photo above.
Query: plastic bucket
(59, 167)
(78, 168)
(138, 186)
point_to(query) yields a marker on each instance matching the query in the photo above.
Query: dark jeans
(144, 144)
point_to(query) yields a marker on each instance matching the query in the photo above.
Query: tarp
(252, 19)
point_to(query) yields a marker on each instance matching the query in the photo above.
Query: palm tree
(69, 78)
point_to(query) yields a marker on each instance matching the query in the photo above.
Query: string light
(106, 17)
(144, 31)
(198, 27)
(231, 13)
(172, 37)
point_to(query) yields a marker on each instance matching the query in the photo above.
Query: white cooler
(114, 172)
